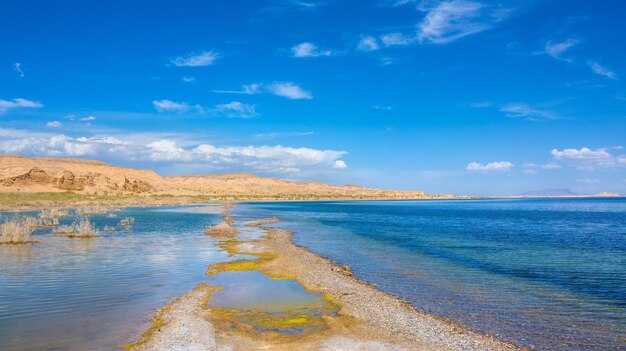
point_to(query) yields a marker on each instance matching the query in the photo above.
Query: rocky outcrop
(137, 186)
(66, 180)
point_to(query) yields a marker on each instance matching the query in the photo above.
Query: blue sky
(457, 96)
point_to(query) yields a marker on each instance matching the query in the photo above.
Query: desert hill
(46, 174)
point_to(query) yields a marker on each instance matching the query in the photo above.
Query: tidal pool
(268, 304)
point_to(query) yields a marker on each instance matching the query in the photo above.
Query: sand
(367, 318)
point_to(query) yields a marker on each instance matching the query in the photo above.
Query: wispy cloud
(368, 43)
(556, 49)
(236, 109)
(88, 119)
(189, 79)
(18, 103)
(54, 124)
(248, 89)
(205, 58)
(169, 106)
(524, 111)
(17, 67)
(447, 21)
(281, 135)
(309, 50)
(382, 107)
(289, 90)
(601, 70)
(451, 20)
(500, 166)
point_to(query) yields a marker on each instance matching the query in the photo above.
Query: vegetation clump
(108, 229)
(17, 230)
(53, 213)
(83, 228)
(127, 223)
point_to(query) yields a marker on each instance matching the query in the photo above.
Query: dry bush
(127, 222)
(53, 213)
(83, 228)
(108, 228)
(17, 230)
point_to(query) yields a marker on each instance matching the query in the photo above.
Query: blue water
(95, 294)
(547, 274)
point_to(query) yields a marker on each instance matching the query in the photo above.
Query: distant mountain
(550, 192)
(47, 174)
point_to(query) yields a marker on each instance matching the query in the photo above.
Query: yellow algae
(233, 266)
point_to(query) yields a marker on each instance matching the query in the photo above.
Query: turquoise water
(547, 274)
(94, 294)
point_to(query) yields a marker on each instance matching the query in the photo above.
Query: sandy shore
(367, 318)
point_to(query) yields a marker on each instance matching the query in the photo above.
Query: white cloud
(451, 20)
(289, 91)
(530, 171)
(397, 39)
(275, 159)
(524, 111)
(6, 105)
(169, 106)
(189, 79)
(601, 70)
(17, 67)
(166, 150)
(556, 49)
(236, 109)
(383, 107)
(309, 50)
(551, 165)
(588, 159)
(340, 164)
(446, 21)
(54, 124)
(247, 89)
(580, 154)
(502, 166)
(88, 118)
(205, 58)
(368, 43)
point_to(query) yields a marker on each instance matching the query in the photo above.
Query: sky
(455, 96)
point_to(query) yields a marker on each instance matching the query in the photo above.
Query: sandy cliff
(40, 174)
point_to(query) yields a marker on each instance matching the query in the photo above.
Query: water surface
(548, 274)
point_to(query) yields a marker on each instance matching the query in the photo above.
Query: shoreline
(367, 318)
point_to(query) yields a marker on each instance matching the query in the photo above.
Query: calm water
(548, 274)
(95, 294)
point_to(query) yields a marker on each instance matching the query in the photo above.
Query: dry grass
(83, 228)
(127, 223)
(81, 211)
(46, 222)
(17, 230)
(53, 213)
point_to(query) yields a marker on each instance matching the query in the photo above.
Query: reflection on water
(548, 274)
(76, 294)
(269, 304)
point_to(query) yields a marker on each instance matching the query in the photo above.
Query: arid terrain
(23, 175)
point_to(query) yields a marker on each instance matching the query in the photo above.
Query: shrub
(82, 228)
(17, 230)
